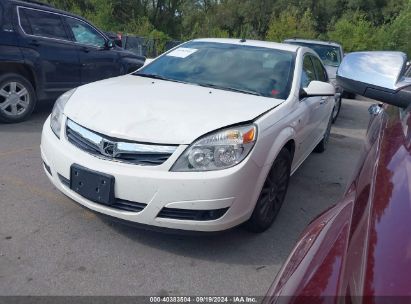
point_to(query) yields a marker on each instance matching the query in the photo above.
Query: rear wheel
(272, 195)
(17, 98)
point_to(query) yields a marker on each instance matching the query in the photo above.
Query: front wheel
(272, 195)
(322, 146)
(337, 108)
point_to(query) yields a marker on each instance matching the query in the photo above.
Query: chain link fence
(147, 47)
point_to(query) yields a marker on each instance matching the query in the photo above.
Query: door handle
(86, 50)
(34, 43)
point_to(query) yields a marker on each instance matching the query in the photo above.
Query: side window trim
(37, 36)
(323, 70)
(63, 17)
(312, 64)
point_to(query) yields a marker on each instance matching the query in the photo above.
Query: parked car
(331, 53)
(45, 52)
(359, 250)
(203, 138)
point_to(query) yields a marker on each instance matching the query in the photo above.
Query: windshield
(330, 55)
(246, 69)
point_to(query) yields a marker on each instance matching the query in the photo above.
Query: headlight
(57, 113)
(220, 150)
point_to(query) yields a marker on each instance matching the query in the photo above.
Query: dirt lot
(51, 246)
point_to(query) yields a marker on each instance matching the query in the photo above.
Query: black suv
(45, 52)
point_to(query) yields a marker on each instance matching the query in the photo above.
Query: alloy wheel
(14, 98)
(336, 109)
(274, 190)
(327, 133)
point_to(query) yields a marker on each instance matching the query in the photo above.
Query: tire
(17, 98)
(272, 195)
(336, 110)
(322, 146)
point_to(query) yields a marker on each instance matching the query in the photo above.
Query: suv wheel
(272, 195)
(17, 98)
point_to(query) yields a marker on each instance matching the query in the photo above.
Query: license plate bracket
(92, 185)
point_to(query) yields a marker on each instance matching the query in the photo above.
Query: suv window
(42, 24)
(308, 74)
(84, 33)
(319, 69)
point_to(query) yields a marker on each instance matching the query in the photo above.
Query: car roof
(320, 42)
(256, 43)
(45, 7)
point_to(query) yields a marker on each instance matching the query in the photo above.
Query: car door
(327, 102)
(97, 61)
(313, 105)
(46, 46)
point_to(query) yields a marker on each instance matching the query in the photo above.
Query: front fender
(271, 144)
(131, 64)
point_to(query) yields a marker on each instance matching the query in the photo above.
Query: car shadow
(235, 246)
(33, 124)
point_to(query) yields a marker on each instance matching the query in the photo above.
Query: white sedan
(203, 138)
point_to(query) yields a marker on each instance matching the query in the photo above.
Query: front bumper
(155, 186)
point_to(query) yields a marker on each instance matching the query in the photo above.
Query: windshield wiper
(155, 76)
(214, 86)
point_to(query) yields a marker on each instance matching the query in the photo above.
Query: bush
(355, 33)
(291, 23)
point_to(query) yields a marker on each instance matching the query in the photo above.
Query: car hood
(157, 111)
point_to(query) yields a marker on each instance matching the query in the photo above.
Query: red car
(359, 251)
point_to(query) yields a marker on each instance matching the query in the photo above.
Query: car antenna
(243, 40)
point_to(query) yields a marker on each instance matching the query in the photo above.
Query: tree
(397, 35)
(291, 23)
(354, 32)
(357, 24)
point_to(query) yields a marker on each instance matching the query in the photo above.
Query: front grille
(115, 149)
(192, 215)
(119, 203)
(77, 140)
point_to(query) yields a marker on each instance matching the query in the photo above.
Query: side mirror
(318, 88)
(109, 44)
(377, 75)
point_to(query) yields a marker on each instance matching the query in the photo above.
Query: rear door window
(42, 24)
